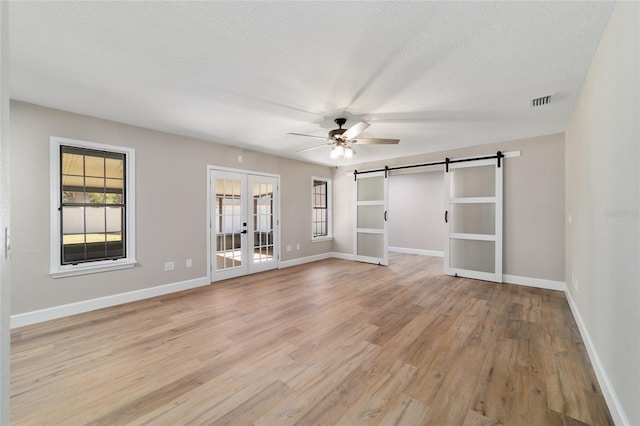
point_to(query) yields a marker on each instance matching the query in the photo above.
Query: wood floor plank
(371, 405)
(332, 342)
(404, 410)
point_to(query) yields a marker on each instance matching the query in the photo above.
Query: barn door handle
(385, 215)
(446, 215)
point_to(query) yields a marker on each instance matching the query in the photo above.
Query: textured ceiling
(436, 75)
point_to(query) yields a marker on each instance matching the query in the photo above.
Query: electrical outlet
(298, 246)
(189, 263)
(169, 266)
(289, 248)
(575, 284)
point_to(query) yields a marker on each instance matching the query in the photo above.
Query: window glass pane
(94, 184)
(72, 197)
(72, 181)
(113, 198)
(73, 225)
(97, 250)
(115, 219)
(95, 197)
(73, 253)
(114, 184)
(94, 166)
(114, 167)
(72, 164)
(95, 220)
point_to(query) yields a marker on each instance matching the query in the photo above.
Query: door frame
(276, 235)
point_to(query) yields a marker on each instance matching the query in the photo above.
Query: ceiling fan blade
(355, 130)
(309, 136)
(375, 141)
(313, 147)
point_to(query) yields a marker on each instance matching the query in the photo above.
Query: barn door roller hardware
(499, 156)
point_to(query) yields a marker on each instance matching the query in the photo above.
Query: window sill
(318, 239)
(94, 267)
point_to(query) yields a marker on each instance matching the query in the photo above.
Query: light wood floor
(334, 342)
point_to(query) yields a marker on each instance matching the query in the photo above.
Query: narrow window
(92, 208)
(320, 208)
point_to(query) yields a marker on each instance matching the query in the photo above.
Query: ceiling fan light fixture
(334, 153)
(348, 152)
(341, 139)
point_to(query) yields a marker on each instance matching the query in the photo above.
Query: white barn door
(370, 242)
(473, 216)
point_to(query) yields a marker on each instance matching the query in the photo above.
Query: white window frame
(56, 269)
(329, 235)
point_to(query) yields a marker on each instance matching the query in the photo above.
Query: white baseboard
(33, 317)
(303, 260)
(617, 412)
(417, 251)
(343, 256)
(534, 282)
(314, 258)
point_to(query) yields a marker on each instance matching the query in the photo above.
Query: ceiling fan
(342, 140)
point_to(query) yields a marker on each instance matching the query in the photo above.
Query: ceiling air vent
(543, 100)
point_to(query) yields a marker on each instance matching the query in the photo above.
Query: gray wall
(603, 200)
(533, 203)
(416, 211)
(170, 174)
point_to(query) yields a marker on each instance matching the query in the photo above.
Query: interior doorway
(243, 222)
(469, 226)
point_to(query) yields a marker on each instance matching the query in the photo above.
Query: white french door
(370, 242)
(244, 221)
(473, 199)
(263, 221)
